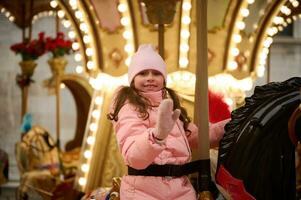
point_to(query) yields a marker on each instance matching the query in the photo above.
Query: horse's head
(37, 150)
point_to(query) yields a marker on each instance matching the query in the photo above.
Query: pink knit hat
(146, 58)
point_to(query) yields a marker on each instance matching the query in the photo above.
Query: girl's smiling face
(149, 81)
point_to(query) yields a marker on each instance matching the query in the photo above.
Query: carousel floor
(8, 190)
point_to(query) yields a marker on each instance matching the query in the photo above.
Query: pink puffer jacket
(139, 150)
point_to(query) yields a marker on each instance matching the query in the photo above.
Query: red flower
(30, 50)
(59, 46)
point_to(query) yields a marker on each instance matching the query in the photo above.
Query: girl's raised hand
(167, 118)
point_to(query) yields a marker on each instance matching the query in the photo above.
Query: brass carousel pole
(23, 20)
(57, 68)
(24, 92)
(160, 13)
(24, 89)
(58, 110)
(30, 25)
(269, 68)
(161, 39)
(201, 101)
(24, 66)
(57, 94)
(58, 100)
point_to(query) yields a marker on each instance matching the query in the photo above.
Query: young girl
(154, 132)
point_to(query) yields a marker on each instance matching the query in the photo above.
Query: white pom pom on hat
(146, 58)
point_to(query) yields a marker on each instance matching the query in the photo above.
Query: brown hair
(132, 96)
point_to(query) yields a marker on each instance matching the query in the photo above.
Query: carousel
(216, 49)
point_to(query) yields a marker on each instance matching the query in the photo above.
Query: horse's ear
(292, 124)
(48, 140)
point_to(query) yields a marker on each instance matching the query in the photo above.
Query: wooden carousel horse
(37, 151)
(38, 162)
(45, 171)
(257, 153)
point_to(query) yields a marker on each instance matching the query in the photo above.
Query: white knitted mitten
(167, 118)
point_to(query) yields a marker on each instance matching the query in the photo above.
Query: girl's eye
(156, 73)
(143, 73)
